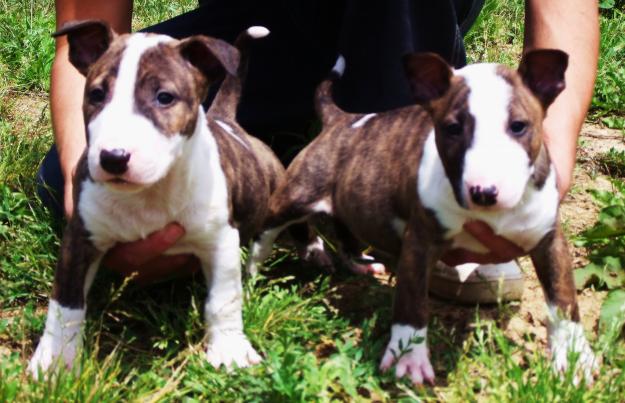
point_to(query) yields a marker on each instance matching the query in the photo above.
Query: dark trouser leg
(374, 37)
(50, 183)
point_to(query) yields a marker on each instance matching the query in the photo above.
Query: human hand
(145, 257)
(501, 250)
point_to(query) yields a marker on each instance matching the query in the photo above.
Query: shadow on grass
(145, 324)
(359, 298)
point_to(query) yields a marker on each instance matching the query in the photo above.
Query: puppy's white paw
(50, 353)
(229, 349)
(60, 341)
(408, 350)
(568, 337)
(368, 269)
(252, 266)
(366, 265)
(260, 251)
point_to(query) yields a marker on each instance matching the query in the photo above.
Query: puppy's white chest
(522, 226)
(525, 224)
(199, 204)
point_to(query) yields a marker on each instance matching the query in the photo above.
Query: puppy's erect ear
(88, 40)
(542, 71)
(213, 57)
(429, 76)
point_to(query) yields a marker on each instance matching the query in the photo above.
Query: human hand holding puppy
(145, 259)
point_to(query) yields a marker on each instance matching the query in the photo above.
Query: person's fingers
(502, 248)
(134, 254)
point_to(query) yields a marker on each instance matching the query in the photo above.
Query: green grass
(26, 48)
(609, 98)
(497, 36)
(321, 336)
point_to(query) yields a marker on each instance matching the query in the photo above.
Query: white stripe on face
(494, 159)
(120, 126)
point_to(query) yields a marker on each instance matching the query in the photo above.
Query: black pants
(306, 38)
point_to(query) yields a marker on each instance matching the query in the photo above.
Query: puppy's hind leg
(310, 245)
(284, 210)
(351, 253)
(260, 249)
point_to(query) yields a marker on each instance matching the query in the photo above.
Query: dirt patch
(578, 210)
(595, 140)
(24, 110)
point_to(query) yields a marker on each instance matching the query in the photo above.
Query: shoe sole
(482, 291)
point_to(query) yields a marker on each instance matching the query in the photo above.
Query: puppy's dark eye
(518, 127)
(164, 98)
(96, 95)
(453, 129)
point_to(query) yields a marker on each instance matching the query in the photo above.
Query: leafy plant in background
(612, 163)
(608, 102)
(605, 242)
(611, 4)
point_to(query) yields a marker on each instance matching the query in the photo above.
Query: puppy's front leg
(552, 261)
(74, 274)
(227, 343)
(408, 345)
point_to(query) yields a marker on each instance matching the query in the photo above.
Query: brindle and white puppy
(154, 157)
(405, 182)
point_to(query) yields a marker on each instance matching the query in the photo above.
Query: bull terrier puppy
(154, 157)
(405, 181)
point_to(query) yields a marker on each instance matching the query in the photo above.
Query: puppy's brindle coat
(405, 182)
(154, 157)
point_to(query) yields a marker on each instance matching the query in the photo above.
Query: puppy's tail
(326, 108)
(230, 91)
(243, 44)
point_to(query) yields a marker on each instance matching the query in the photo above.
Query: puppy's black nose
(114, 161)
(483, 196)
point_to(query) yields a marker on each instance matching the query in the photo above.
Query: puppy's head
(142, 97)
(488, 121)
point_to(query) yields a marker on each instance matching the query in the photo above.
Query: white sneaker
(475, 283)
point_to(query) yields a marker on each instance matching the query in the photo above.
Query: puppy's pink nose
(114, 161)
(483, 196)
